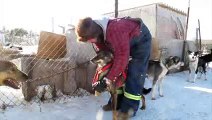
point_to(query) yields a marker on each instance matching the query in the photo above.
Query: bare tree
(17, 34)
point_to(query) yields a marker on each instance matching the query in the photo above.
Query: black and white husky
(193, 65)
(197, 64)
(157, 70)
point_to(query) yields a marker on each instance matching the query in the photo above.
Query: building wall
(146, 13)
(166, 25)
(170, 25)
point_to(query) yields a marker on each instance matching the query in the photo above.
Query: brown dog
(10, 75)
(102, 59)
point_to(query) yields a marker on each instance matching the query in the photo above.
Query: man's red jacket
(119, 33)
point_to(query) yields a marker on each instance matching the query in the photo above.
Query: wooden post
(187, 20)
(200, 40)
(116, 8)
(185, 37)
(197, 38)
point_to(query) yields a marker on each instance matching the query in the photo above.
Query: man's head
(88, 31)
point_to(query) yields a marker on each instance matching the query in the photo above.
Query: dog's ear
(197, 53)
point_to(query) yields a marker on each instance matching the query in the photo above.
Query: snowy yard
(182, 101)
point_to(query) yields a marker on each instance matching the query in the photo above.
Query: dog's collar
(104, 68)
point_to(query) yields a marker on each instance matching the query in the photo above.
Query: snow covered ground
(182, 101)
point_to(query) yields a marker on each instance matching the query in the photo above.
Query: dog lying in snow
(45, 92)
(157, 70)
(197, 64)
(10, 75)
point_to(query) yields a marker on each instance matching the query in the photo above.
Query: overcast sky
(37, 14)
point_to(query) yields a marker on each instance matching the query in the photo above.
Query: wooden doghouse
(51, 45)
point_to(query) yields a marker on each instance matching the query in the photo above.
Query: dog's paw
(143, 107)
(153, 99)
(146, 91)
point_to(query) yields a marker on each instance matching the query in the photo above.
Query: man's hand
(110, 85)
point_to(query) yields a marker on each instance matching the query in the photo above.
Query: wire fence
(48, 72)
(10, 97)
(59, 70)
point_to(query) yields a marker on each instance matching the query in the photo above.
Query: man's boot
(108, 106)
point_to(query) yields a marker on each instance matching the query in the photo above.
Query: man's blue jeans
(140, 48)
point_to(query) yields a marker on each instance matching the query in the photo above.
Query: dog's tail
(146, 91)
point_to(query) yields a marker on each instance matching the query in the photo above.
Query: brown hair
(87, 29)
